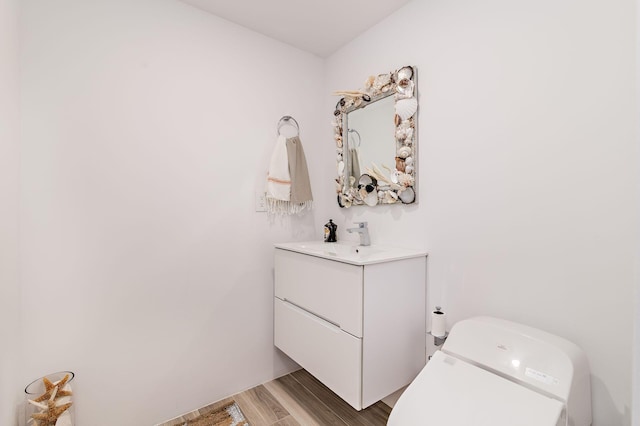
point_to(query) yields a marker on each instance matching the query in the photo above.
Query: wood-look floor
(297, 399)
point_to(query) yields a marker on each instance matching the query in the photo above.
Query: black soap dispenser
(330, 230)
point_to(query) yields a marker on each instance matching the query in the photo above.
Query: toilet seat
(452, 392)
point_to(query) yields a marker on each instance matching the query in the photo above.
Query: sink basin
(350, 253)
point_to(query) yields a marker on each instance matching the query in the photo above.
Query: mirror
(376, 139)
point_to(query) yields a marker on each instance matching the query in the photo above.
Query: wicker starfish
(49, 386)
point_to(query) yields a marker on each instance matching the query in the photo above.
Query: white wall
(148, 125)
(9, 160)
(146, 270)
(528, 167)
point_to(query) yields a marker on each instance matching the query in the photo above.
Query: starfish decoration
(49, 417)
(49, 386)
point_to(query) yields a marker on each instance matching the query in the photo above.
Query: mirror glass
(375, 133)
(370, 131)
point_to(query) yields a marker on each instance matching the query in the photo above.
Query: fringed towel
(279, 179)
(288, 185)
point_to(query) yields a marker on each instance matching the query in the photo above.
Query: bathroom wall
(9, 159)
(146, 270)
(528, 167)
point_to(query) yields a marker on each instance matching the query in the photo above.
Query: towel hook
(359, 138)
(287, 119)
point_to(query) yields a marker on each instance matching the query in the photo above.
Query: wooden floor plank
(297, 399)
(291, 405)
(316, 409)
(287, 421)
(260, 407)
(371, 416)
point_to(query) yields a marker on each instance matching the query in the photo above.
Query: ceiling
(317, 26)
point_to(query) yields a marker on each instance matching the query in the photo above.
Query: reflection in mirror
(375, 133)
(374, 124)
(353, 143)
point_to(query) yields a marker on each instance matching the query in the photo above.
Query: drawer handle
(335, 324)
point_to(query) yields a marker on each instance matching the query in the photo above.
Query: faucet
(363, 231)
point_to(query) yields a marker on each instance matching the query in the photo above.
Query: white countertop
(350, 253)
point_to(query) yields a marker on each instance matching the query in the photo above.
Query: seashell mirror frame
(380, 184)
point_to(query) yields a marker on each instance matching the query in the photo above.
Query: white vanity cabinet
(357, 325)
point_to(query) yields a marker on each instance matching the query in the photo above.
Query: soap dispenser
(330, 232)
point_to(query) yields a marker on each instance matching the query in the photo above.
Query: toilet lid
(451, 392)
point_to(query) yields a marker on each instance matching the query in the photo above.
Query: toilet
(492, 372)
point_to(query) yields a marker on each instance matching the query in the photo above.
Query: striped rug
(229, 415)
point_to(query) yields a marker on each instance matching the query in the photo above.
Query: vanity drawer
(331, 290)
(331, 355)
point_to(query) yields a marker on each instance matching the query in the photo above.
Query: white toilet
(492, 372)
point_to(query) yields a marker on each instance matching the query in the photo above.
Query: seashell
(381, 194)
(352, 181)
(371, 199)
(363, 192)
(405, 73)
(408, 170)
(340, 167)
(365, 180)
(404, 133)
(408, 161)
(344, 201)
(369, 82)
(390, 197)
(409, 136)
(397, 120)
(405, 88)
(400, 164)
(405, 179)
(407, 124)
(405, 108)
(381, 81)
(404, 151)
(394, 176)
(407, 196)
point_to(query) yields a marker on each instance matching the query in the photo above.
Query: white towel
(288, 185)
(278, 178)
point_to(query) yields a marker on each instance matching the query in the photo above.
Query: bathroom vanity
(354, 317)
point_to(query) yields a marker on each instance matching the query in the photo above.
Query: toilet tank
(533, 358)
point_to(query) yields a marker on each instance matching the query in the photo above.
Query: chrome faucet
(363, 231)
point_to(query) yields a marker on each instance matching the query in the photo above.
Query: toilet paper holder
(439, 340)
(439, 316)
